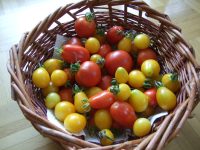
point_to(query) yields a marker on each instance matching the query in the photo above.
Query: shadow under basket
(175, 55)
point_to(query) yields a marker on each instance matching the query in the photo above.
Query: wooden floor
(18, 16)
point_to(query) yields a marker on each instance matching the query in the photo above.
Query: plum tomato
(141, 127)
(117, 59)
(81, 102)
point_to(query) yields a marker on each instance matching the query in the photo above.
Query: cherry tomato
(115, 34)
(125, 44)
(75, 122)
(104, 50)
(63, 109)
(117, 59)
(101, 100)
(166, 99)
(81, 102)
(141, 127)
(98, 59)
(50, 88)
(150, 68)
(51, 100)
(142, 41)
(74, 41)
(52, 64)
(92, 45)
(138, 100)
(123, 113)
(121, 75)
(105, 82)
(106, 137)
(145, 54)
(85, 26)
(171, 82)
(89, 74)
(70, 76)
(59, 77)
(103, 119)
(41, 78)
(92, 91)
(74, 53)
(151, 93)
(66, 94)
(136, 79)
(124, 92)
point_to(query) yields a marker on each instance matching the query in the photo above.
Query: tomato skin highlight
(101, 100)
(123, 113)
(74, 53)
(114, 34)
(89, 74)
(117, 59)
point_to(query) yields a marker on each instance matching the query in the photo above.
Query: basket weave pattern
(175, 54)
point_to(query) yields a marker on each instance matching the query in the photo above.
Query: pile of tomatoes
(106, 80)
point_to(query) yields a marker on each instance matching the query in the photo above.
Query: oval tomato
(146, 54)
(89, 74)
(74, 41)
(101, 100)
(104, 50)
(117, 59)
(150, 68)
(85, 26)
(123, 113)
(92, 45)
(106, 137)
(105, 82)
(74, 53)
(115, 34)
(125, 44)
(142, 41)
(151, 93)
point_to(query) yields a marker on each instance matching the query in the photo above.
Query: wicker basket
(37, 46)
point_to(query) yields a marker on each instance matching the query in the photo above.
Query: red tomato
(115, 34)
(74, 53)
(74, 41)
(101, 100)
(66, 94)
(151, 93)
(123, 114)
(146, 54)
(105, 82)
(117, 59)
(89, 74)
(85, 26)
(70, 75)
(104, 50)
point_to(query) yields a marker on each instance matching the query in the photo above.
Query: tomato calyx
(101, 62)
(75, 67)
(158, 84)
(174, 77)
(115, 87)
(102, 134)
(86, 105)
(100, 30)
(130, 34)
(76, 89)
(89, 16)
(148, 83)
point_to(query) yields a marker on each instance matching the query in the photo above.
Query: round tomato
(89, 74)
(121, 75)
(104, 50)
(52, 64)
(123, 91)
(145, 54)
(50, 88)
(115, 34)
(75, 122)
(142, 41)
(63, 109)
(141, 127)
(136, 79)
(92, 45)
(59, 77)
(150, 68)
(51, 100)
(117, 59)
(66, 94)
(85, 26)
(151, 93)
(105, 82)
(125, 44)
(41, 78)
(123, 113)
(102, 119)
(74, 41)
(106, 137)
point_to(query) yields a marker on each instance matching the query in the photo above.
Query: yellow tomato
(141, 127)
(75, 122)
(97, 59)
(50, 88)
(106, 137)
(41, 78)
(63, 109)
(150, 68)
(81, 102)
(92, 45)
(103, 119)
(92, 91)
(142, 41)
(125, 44)
(51, 100)
(171, 82)
(59, 77)
(138, 100)
(166, 99)
(136, 79)
(52, 64)
(121, 75)
(124, 92)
